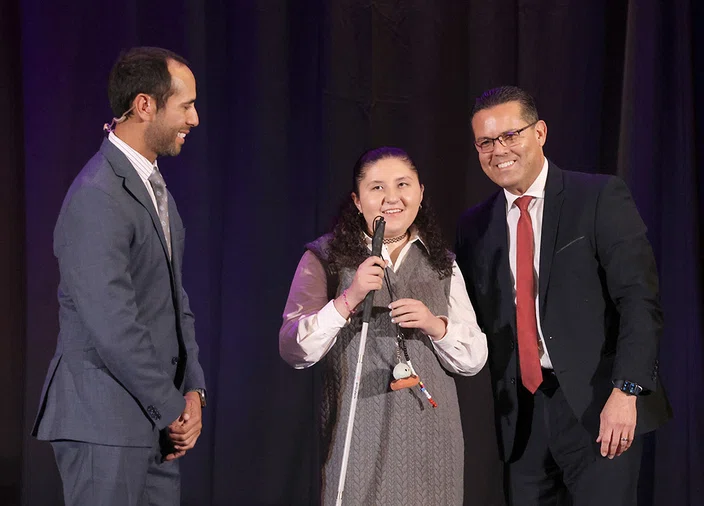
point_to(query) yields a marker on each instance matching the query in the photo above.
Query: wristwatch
(201, 394)
(628, 387)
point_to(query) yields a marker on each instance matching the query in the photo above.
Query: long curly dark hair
(347, 248)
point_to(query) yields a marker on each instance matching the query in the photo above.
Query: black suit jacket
(598, 292)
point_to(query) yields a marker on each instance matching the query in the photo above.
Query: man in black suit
(123, 395)
(564, 283)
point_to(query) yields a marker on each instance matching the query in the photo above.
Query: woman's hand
(413, 314)
(369, 276)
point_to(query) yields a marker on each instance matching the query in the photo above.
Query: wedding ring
(625, 439)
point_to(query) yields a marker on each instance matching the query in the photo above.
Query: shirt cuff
(448, 342)
(447, 330)
(330, 318)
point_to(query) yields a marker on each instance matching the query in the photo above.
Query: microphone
(109, 127)
(377, 241)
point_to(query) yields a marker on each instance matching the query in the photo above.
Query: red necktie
(526, 323)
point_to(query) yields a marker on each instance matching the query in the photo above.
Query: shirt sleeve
(310, 321)
(463, 349)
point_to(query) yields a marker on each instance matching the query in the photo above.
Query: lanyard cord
(401, 343)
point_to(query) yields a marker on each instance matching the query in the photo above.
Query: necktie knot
(157, 179)
(162, 204)
(523, 202)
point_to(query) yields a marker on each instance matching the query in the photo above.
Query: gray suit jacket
(126, 350)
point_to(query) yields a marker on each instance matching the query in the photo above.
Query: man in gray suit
(123, 395)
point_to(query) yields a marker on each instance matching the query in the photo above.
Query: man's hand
(617, 424)
(175, 455)
(184, 431)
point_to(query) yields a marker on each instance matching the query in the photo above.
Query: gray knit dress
(404, 451)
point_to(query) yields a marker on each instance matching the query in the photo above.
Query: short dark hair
(141, 70)
(503, 95)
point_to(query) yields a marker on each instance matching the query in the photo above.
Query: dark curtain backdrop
(290, 93)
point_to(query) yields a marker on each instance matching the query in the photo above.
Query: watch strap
(201, 393)
(628, 387)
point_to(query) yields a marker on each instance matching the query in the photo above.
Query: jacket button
(174, 360)
(153, 412)
(513, 381)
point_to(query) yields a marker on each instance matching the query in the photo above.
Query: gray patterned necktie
(162, 204)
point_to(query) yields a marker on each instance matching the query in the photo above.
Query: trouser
(100, 475)
(557, 462)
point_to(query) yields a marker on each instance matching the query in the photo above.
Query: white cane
(377, 241)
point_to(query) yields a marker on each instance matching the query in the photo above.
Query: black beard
(168, 150)
(163, 143)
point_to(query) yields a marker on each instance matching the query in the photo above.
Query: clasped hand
(184, 431)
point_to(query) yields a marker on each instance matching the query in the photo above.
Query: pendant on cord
(404, 374)
(403, 377)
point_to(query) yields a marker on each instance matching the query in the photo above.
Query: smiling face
(513, 168)
(390, 188)
(166, 134)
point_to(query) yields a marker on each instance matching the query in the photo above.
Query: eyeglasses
(507, 139)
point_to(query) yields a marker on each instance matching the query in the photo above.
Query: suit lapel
(175, 264)
(551, 219)
(135, 187)
(498, 237)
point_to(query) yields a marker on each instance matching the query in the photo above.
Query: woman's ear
(356, 201)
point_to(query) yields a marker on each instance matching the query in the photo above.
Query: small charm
(409, 382)
(402, 371)
(403, 377)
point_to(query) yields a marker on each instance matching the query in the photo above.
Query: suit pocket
(178, 240)
(178, 234)
(570, 244)
(91, 359)
(81, 360)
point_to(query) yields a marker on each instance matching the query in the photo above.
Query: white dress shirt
(537, 191)
(143, 166)
(311, 321)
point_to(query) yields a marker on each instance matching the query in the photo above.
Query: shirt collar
(414, 237)
(140, 163)
(536, 190)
